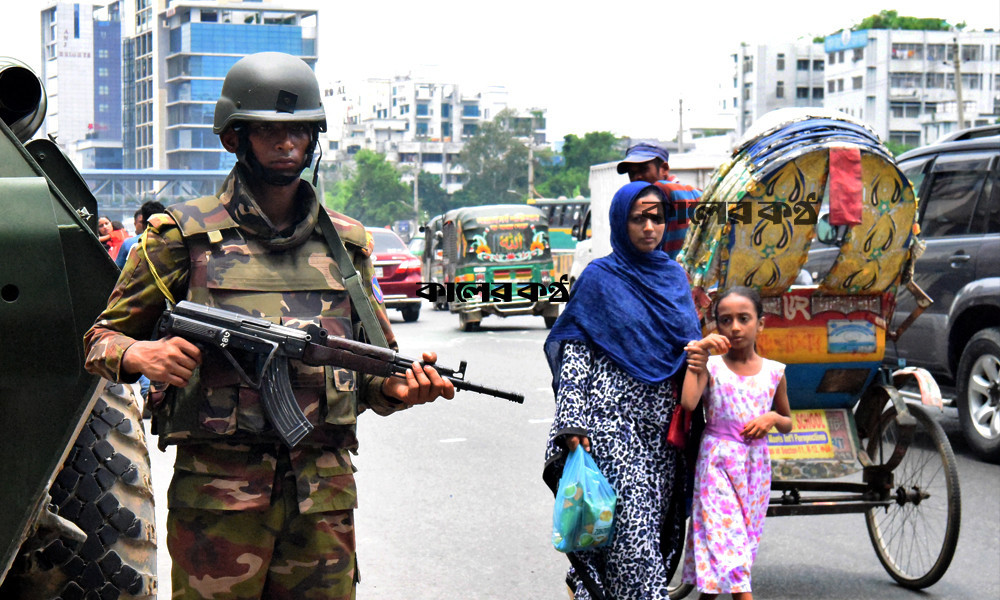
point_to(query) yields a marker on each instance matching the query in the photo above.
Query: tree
(373, 194)
(495, 161)
(572, 176)
(890, 19)
(434, 200)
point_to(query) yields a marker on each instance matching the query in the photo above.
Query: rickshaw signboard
(816, 434)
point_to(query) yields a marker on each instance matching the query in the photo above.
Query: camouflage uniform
(249, 517)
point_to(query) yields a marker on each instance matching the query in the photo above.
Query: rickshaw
(494, 246)
(800, 175)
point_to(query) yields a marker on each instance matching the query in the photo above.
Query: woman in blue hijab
(617, 354)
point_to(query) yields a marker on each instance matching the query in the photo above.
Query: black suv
(958, 338)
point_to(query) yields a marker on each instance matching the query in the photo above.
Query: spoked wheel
(915, 536)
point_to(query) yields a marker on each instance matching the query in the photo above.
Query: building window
(445, 111)
(446, 130)
(781, 62)
(904, 110)
(910, 138)
(940, 52)
(905, 80)
(817, 93)
(857, 82)
(859, 53)
(421, 128)
(831, 86)
(470, 110)
(802, 93)
(102, 53)
(907, 51)
(423, 109)
(832, 58)
(779, 90)
(972, 81)
(102, 90)
(802, 64)
(972, 53)
(469, 129)
(840, 56)
(817, 65)
(840, 85)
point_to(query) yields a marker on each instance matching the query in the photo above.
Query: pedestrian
(650, 162)
(747, 397)
(248, 516)
(615, 354)
(111, 233)
(141, 217)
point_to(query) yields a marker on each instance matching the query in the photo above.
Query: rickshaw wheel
(676, 589)
(910, 540)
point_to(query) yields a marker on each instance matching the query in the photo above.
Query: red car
(398, 273)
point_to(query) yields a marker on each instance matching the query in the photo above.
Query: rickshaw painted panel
(768, 254)
(823, 444)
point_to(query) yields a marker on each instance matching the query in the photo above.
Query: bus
(563, 214)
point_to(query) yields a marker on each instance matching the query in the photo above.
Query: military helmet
(269, 86)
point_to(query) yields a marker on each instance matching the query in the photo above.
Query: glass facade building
(201, 43)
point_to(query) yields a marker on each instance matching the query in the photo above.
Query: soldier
(249, 517)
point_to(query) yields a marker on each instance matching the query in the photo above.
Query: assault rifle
(270, 346)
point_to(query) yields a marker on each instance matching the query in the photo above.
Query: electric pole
(958, 84)
(680, 125)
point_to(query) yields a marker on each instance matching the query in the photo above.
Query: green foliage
(890, 19)
(571, 178)
(897, 148)
(434, 200)
(495, 161)
(373, 194)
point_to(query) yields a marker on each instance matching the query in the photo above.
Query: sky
(610, 66)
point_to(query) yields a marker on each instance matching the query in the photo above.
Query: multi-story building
(771, 76)
(81, 68)
(418, 123)
(903, 83)
(177, 53)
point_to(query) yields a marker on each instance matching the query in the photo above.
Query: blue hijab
(636, 307)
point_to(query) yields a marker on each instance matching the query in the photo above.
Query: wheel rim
(984, 396)
(915, 536)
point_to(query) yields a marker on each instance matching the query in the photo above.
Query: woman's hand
(699, 350)
(573, 441)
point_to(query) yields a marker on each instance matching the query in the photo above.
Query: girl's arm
(779, 416)
(694, 387)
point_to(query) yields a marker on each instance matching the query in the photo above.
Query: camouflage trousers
(276, 553)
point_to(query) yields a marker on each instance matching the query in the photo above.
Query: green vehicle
(77, 515)
(497, 261)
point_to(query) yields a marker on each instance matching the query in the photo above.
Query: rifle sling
(352, 282)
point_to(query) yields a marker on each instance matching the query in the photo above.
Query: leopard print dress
(627, 420)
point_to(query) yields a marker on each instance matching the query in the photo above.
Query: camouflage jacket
(224, 252)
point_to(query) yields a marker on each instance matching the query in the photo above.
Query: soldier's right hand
(168, 360)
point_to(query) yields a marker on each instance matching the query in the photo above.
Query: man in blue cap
(649, 162)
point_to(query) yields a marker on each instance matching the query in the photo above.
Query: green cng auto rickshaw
(497, 261)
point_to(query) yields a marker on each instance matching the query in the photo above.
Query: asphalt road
(452, 505)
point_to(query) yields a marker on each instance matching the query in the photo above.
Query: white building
(902, 83)
(771, 76)
(417, 122)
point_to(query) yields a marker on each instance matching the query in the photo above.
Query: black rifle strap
(351, 281)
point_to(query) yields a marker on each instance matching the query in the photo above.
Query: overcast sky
(616, 66)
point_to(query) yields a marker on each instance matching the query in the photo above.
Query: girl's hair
(749, 293)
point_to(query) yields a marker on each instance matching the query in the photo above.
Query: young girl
(746, 398)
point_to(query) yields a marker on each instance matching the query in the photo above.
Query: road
(452, 504)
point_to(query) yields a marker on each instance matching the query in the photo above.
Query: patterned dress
(733, 480)
(627, 421)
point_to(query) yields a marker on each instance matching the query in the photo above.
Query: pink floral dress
(733, 481)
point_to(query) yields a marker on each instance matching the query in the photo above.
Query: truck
(77, 518)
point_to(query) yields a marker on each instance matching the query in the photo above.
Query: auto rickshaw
(801, 175)
(499, 255)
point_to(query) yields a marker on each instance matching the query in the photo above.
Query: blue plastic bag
(583, 517)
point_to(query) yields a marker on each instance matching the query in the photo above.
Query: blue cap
(643, 152)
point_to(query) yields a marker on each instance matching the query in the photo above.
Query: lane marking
(452, 440)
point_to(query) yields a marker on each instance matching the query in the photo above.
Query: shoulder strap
(351, 281)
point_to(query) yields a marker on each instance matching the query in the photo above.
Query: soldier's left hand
(422, 384)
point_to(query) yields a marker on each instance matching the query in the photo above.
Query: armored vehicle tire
(915, 536)
(104, 488)
(978, 396)
(410, 313)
